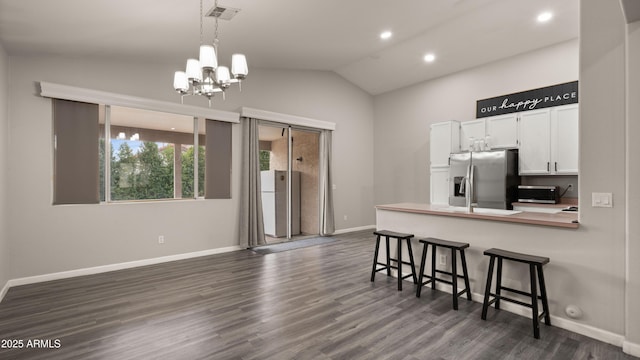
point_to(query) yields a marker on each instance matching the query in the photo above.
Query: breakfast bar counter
(561, 219)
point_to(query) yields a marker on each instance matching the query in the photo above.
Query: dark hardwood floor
(310, 303)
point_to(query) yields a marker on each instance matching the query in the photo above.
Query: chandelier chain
(215, 39)
(201, 17)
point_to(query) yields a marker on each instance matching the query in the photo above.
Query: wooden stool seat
(535, 267)
(453, 246)
(387, 234)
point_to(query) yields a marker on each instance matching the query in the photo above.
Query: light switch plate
(602, 200)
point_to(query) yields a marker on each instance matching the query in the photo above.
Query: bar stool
(453, 246)
(387, 266)
(535, 265)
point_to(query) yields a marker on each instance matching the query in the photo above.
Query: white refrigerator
(274, 202)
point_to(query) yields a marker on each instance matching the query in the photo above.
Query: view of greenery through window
(188, 171)
(145, 174)
(144, 170)
(265, 158)
(146, 150)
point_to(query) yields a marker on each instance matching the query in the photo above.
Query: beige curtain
(327, 221)
(251, 222)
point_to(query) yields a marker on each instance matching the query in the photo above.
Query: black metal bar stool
(535, 266)
(387, 266)
(453, 246)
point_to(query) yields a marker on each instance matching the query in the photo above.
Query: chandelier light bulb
(181, 82)
(222, 75)
(194, 71)
(239, 67)
(208, 57)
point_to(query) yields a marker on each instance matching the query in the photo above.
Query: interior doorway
(289, 170)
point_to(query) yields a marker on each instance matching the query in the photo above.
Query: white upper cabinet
(564, 139)
(471, 131)
(502, 131)
(549, 141)
(535, 142)
(444, 139)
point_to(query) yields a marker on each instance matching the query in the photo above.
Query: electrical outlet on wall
(443, 260)
(161, 239)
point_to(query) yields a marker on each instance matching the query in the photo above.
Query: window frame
(107, 99)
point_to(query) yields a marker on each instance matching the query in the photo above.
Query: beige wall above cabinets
(549, 141)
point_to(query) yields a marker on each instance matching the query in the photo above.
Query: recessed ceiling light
(545, 16)
(385, 35)
(173, 128)
(429, 57)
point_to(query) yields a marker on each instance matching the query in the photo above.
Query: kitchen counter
(563, 219)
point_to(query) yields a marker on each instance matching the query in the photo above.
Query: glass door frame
(291, 128)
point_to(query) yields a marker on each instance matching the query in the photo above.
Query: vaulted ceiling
(332, 35)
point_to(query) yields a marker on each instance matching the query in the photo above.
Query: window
(149, 155)
(145, 152)
(265, 159)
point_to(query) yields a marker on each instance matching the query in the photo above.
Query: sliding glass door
(289, 164)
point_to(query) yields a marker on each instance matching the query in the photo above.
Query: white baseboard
(112, 267)
(631, 348)
(563, 323)
(359, 228)
(4, 290)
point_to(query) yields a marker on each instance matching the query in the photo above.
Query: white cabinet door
(564, 139)
(444, 139)
(471, 129)
(535, 142)
(439, 189)
(502, 131)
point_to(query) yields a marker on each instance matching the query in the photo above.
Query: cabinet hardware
(548, 168)
(556, 166)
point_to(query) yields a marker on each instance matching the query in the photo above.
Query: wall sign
(549, 96)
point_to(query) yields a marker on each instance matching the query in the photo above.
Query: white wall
(402, 117)
(46, 239)
(633, 179)
(4, 140)
(602, 150)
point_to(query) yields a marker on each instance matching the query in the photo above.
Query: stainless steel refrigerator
(490, 177)
(274, 202)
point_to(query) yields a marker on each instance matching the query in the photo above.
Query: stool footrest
(436, 279)
(500, 297)
(519, 292)
(448, 273)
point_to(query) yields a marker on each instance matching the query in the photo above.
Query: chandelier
(204, 76)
